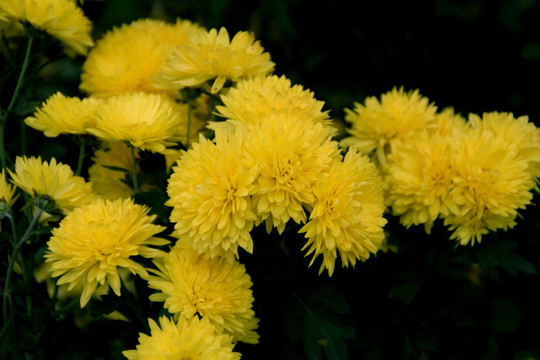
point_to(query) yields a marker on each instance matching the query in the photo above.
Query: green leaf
(319, 318)
(500, 254)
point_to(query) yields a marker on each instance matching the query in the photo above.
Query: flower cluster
(473, 175)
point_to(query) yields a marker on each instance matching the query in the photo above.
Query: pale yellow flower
(51, 181)
(210, 193)
(147, 121)
(126, 58)
(7, 191)
(211, 55)
(94, 241)
(61, 114)
(381, 125)
(62, 19)
(189, 338)
(347, 217)
(214, 289)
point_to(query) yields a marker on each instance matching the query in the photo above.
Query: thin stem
(81, 157)
(134, 170)
(14, 99)
(13, 258)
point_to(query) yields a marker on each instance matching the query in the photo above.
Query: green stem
(14, 99)
(134, 170)
(80, 162)
(12, 260)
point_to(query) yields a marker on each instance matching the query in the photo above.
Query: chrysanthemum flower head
(347, 217)
(418, 179)
(491, 182)
(92, 242)
(381, 125)
(448, 122)
(61, 114)
(252, 99)
(215, 289)
(189, 338)
(107, 182)
(210, 193)
(53, 181)
(62, 19)
(290, 153)
(211, 55)
(147, 121)
(126, 58)
(519, 131)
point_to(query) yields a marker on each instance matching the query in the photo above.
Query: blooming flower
(51, 181)
(126, 58)
(212, 55)
(290, 153)
(347, 215)
(381, 125)
(106, 182)
(7, 198)
(62, 19)
(60, 114)
(210, 193)
(490, 183)
(418, 179)
(189, 338)
(216, 289)
(251, 100)
(92, 242)
(147, 121)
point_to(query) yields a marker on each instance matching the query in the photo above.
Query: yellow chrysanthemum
(418, 179)
(189, 338)
(51, 180)
(519, 131)
(214, 289)
(448, 123)
(491, 182)
(109, 183)
(147, 121)
(62, 19)
(7, 191)
(93, 241)
(212, 55)
(347, 215)
(381, 125)
(210, 192)
(290, 153)
(126, 58)
(253, 99)
(61, 114)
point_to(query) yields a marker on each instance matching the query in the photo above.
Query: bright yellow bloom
(7, 191)
(60, 114)
(491, 182)
(518, 131)
(190, 338)
(347, 215)
(381, 125)
(448, 123)
(109, 183)
(253, 99)
(94, 241)
(126, 58)
(214, 289)
(62, 19)
(53, 180)
(210, 192)
(147, 121)
(418, 178)
(211, 55)
(290, 153)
